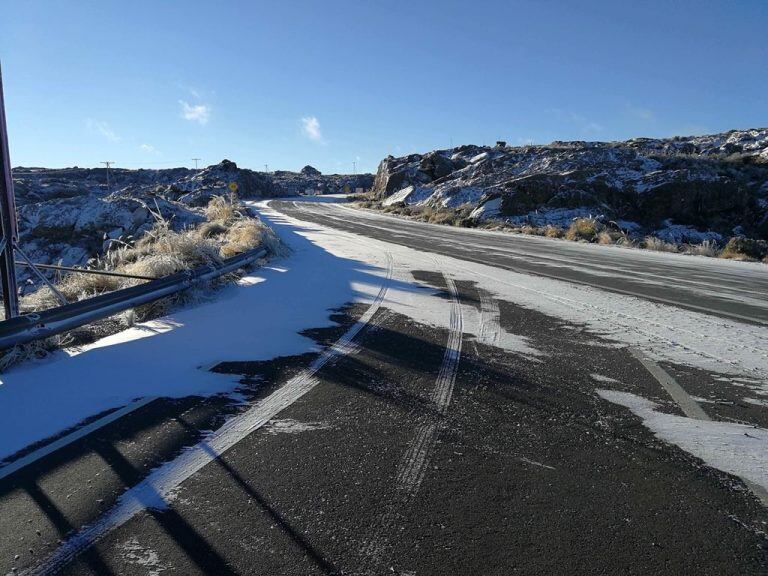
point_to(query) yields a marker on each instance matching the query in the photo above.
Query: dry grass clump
(443, 217)
(211, 229)
(223, 209)
(654, 243)
(242, 236)
(552, 232)
(706, 248)
(583, 229)
(741, 248)
(156, 265)
(162, 251)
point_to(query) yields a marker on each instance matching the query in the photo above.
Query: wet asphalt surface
(529, 471)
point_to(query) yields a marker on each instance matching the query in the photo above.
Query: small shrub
(243, 236)
(605, 238)
(742, 248)
(706, 248)
(654, 243)
(222, 209)
(443, 217)
(583, 229)
(552, 232)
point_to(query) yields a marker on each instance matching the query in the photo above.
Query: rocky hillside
(682, 189)
(69, 216)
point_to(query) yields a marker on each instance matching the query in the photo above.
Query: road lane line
(689, 406)
(157, 489)
(44, 451)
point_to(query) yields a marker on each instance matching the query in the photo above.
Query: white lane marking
(158, 488)
(44, 451)
(689, 406)
(413, 464)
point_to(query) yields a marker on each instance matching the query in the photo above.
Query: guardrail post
(7, 219)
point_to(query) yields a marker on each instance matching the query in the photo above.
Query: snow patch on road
(601, 378)
(663, 332)
(737, 449)
(290, 426)
(147, 558)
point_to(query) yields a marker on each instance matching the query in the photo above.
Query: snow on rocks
(706, 183)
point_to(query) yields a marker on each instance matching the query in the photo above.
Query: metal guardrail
(35, 326)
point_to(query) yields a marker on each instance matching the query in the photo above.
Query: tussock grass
(706, 248)
(583, 229)
(161, 251)
(741, 248)
(211, 229)
(654, 243)
(223, 209)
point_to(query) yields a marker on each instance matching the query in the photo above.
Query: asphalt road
(723, 288)
(405, 448)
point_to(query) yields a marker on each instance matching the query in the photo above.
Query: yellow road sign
(233, 186)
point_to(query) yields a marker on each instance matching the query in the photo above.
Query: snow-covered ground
(260, 318)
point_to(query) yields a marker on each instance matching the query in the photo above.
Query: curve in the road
(715, 288)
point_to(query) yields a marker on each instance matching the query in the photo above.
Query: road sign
(233, 186)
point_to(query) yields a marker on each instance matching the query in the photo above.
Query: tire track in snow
(159, 487)
(628, 322)
(413, 464)
(490, 328)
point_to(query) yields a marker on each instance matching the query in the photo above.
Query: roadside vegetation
(589, 230)
(228, 230)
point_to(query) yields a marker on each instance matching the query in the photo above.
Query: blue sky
(154, 84)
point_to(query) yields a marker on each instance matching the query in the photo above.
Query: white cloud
(199, 113)
(642, 113)
(150, 149)
(310, 127)
(102, 128)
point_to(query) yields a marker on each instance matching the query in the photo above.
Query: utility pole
(8, 220)
(195, 160)
(266, 168)
(107, 164)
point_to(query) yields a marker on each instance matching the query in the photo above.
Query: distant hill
(69, 216)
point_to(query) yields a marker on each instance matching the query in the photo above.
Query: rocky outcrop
(715, 183)
(310, 171)
(309, 182)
